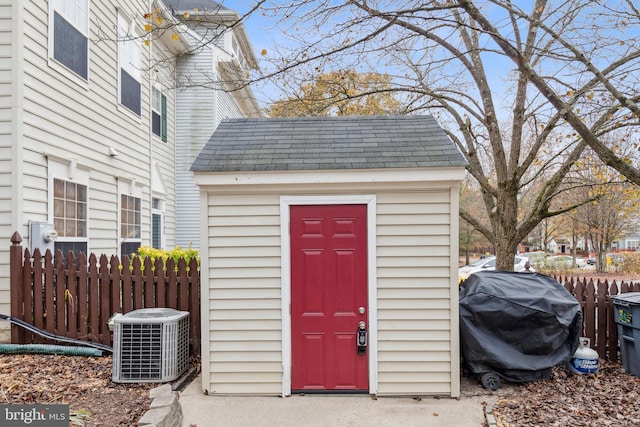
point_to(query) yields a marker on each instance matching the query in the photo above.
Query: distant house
(559, 245)
(330, 256)
(629, 242)
(89, 114)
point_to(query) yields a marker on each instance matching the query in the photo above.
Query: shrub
(630, 263)
(175, 254)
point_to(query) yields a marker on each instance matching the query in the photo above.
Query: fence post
(16, 286)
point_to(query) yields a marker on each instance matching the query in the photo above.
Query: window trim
(57, 6)
(131, 188)
(126, 50)
(136, 239)
(162, 112)
(68, 170)
(159, 210)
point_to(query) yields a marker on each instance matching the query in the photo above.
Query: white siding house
(87, 145)
(320, 232)
(208, 95)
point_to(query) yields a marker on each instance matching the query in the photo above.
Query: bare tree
(522, 93)
(509, 85)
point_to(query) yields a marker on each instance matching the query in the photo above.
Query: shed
(315, 229)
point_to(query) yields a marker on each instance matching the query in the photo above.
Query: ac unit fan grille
(141, 352)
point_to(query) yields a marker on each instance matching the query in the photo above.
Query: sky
(263, 33)
(259, 28)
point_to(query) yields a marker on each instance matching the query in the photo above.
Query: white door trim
(285, 261)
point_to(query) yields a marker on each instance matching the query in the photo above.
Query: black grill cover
(518, 325)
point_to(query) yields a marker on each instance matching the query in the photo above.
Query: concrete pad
(200, 410)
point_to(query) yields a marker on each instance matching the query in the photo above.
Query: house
(329, 256)
(630, 241)
(212, 89)
(89, 114)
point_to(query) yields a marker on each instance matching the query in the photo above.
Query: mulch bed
(609, 398)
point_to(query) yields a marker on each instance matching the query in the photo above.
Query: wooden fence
(598, 311)
(74, 298)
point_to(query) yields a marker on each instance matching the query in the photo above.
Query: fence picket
(602, 295)
(589, 311)
(183, 283)
(160, 283)
(110, 272)
(172, 284)
(612, 328)
(31, 301)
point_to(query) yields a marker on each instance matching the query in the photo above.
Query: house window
(70, 216)
(130, 223)
(159, 113)
(235, 49)
(157, 224)
(68, 34)
(129, 54)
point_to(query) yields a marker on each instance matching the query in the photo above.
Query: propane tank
(585, 360)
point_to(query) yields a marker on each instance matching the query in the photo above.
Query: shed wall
(243, 293)
(244, 305)
(414, 299)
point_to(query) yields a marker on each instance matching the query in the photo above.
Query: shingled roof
(323, 143)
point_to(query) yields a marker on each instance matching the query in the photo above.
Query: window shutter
(164, 118)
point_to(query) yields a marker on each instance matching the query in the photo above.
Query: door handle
(362, 337)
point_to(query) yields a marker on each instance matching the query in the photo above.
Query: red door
(328, 297)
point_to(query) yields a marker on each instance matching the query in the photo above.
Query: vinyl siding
(245, 306)
(7, 129)
(60, 118)
(416, 348)
(87, 119)
(414, 338)
(163, 153)
(195, 118)
(200, 111)
(57, 115)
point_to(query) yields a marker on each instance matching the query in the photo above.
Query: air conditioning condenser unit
(150, 345)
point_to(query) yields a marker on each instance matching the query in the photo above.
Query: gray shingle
(324, 143)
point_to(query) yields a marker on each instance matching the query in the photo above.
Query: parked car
(615, 259)
(611, 259)
(564, 261)
(489, 263)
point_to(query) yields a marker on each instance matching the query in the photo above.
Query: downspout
(149, 133)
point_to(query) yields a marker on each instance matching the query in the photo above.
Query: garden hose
(54, 337)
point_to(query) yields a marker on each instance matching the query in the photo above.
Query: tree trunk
(505, 253)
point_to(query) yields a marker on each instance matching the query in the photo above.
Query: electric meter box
(42, 235)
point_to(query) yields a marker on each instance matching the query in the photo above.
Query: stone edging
(490, 416)
(165, 409)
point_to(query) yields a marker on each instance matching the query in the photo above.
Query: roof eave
(176, 46)
(232, 72)
(231, 19)
(450, 174)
